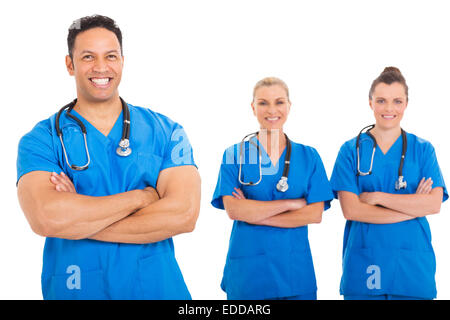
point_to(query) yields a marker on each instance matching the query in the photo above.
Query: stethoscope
(123, 150)
(282, 185)
(400, 183)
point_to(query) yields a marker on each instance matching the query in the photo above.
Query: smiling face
(97, 64)
(388, 104)
(271, 106)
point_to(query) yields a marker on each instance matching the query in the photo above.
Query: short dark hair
(90, 22)
(389, 76)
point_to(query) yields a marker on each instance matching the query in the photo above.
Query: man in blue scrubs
(111, 236)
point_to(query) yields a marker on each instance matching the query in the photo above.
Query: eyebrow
(261, 99)
(110, 51)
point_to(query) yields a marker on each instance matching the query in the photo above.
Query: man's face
(97, 64)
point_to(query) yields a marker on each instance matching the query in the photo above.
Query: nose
(389, 107)
(101, 65)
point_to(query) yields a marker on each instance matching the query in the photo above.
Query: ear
(370, 104)
(253, 108)
(69, 65)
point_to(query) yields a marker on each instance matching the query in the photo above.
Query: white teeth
(102, 81)
(388, 117)
(273, 119)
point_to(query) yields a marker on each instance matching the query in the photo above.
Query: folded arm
(69, 215)
(425, 201)
(311, 213)
(176, 212)
(287, 213)
(414, 205)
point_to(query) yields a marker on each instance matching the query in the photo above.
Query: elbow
(435, 209)
(41, 225)
(348, 214)
(189, 220)
(318, 218)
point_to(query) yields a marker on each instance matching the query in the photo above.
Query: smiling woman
(387, 240)
(269, 255)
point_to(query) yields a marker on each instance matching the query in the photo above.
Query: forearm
(367, 213)
(253, 211)
(161, 220)
(415, 205)
(311, 213)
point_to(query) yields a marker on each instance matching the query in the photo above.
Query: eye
(112, 57)
(262, 103)
(398, 101)
(380, 101)
(88, 57)
(280, 102)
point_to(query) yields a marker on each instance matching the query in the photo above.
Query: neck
(106, 109)
(274, 141)
(383, 134)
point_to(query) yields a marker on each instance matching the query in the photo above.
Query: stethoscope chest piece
(282, 185)
(124, 149)
(400, 183)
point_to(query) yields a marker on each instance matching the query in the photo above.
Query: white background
(197, 62)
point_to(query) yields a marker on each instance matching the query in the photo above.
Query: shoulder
(304, 150)
(233, 152)
(419, 144)
(42, 131)
(157, 120)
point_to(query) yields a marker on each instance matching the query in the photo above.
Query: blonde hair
(270, 81)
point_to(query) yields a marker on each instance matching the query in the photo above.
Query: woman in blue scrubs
(387, 251)
(269, 255)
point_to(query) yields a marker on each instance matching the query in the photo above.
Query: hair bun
(391, 70)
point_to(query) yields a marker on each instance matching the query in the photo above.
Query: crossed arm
(138, 216)
(384, 208)
(288, 213)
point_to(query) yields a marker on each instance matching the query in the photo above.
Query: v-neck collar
(266, 155)
(111, 133)
(391, 147)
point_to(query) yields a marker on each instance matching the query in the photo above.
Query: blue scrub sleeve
(344, 177)
(319, 188)
(178, 151)
(228, 179)
(430, 168)
(36, 151)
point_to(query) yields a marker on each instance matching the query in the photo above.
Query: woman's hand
(424, 186)
(369, 198)
(373, 198)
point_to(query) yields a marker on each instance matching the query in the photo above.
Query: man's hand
(64, 184)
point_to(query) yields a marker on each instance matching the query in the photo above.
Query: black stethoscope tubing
(400, 183)
(282, 184)
(123, 149)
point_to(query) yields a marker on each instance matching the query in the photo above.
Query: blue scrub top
(266, 262)
(400, 253)
(108, 270)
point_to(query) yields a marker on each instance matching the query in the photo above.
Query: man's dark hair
(90, 22)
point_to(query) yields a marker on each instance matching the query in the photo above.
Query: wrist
(377, 198)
